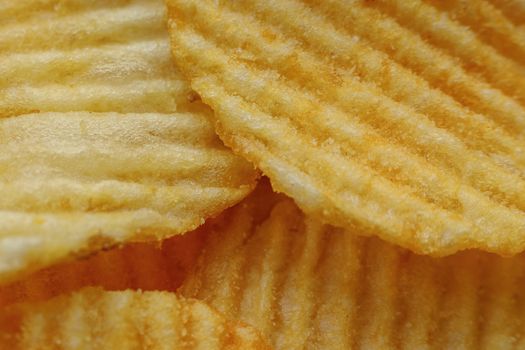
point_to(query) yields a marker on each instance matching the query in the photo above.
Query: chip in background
(96, 319)
(308, 285)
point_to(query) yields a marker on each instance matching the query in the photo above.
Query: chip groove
(513, 9)
(101, 142)
(450, 80)
(340, 290)
(94, 318)
(377, 160)
(497, 30)
(461, 42)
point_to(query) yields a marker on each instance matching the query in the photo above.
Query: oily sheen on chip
(95, 319)
(369, 115)
(101, 139)
(308, 285)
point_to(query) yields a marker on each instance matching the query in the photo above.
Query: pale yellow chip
(369, 114)
(145, 266)
(91, 55)
(76, 182)
(101, 140)
(308, 285)
(97, 319)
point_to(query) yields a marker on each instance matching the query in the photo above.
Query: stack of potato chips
(262, 174)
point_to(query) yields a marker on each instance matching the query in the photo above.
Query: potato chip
(118, 148)
(355, 115)
(413, 51)
(99, 56)
(80, 181)
(476, 52)
(513, 9)
(308, 285)
(498, 30)
(97, 319)
(145, 266)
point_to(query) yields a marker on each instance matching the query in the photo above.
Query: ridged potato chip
(489, 24)
(513, 9)
(80, 181)
(143, 266)
(101, 141)
(369, 114)
(308, 285)
(92, 55)
(97, 319)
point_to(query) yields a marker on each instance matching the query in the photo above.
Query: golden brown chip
(488, 23)
(97, 319)
(465, 32)
(513, 9)
(308, 285)
(118, 148)
(370, 114)
(144, 266)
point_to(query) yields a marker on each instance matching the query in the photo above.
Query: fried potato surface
(489, 24)
(73, 183)
(98, 319)
(513, 9)
(143, 266)
(306, 285)
(101, 140)
(98, 56)
(369, 114)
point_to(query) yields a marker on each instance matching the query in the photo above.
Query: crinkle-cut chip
(308, 285)
(73, 183)
(489, 24)
(470, 34)
(410, 131)
(94, 55)
(145, 266)
(96, 319)
(513, 9)
(119, 148)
